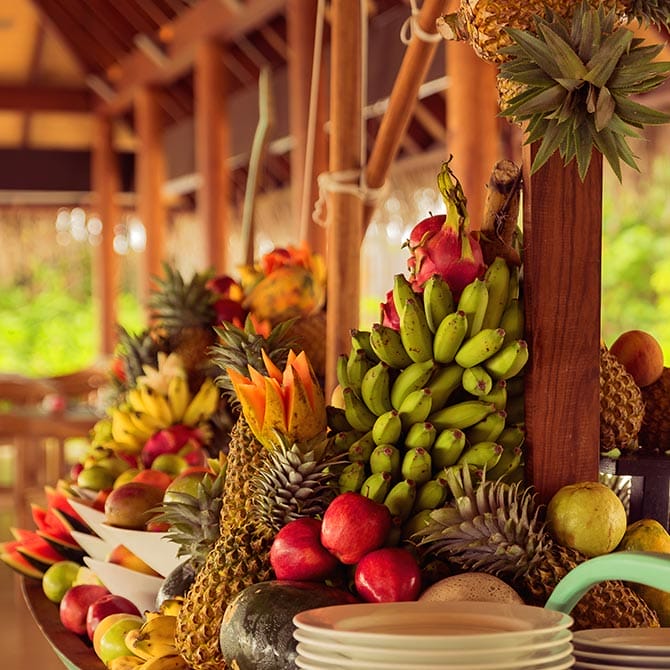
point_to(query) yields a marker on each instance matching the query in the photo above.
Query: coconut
(471, 586)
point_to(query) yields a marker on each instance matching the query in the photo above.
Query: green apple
(111, 643)
(114, 464)
(172, 464)
(96, 477)
(186, 482)
(58, 578)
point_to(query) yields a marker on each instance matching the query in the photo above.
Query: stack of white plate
(433, 636)
(622, 648)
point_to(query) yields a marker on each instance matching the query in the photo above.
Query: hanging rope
(412, 28)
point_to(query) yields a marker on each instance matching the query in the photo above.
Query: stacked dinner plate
(433, 636)
(622, 648)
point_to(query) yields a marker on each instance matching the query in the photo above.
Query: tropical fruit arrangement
(407, 483)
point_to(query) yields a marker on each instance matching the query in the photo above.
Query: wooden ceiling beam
(45, 99)
(206, 19)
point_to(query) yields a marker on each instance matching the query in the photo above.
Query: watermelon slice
(58, 500)
(39, 552)
(69, 550)
(49, 523)
(19, 564)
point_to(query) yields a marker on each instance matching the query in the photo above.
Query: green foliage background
(49, 319)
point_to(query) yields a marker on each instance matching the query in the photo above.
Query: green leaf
(624, 151)
(585, 34)
(620, 127)
(536, 50)
(583, 149)
(637, 114)
(604, 109)
(605, 143)
(568, 62)
(632, 75)
(550, 143)
(601, 66)
(541, 102)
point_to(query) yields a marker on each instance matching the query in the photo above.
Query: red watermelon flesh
(49, 523)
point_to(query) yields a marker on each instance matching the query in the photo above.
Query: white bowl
(93, 545)
(139, 588)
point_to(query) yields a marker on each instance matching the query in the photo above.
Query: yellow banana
(124, 432)
(376, 388)
(131, 641)
(171, 606)
(136, 400)
(473, 302)
(449, 336)
(203, 404)
(126, 662)
(509, 361)
(462, 414)
(146, 424)
(377, 486)
(356, 411)
(178, 396)
(156, 637)
(497, 278)
(415, 335)
(438, 301)
(157, 405)
(388, 347)
(168, 662)
(443, 383)
(415, 376)
(480, 347)
(476, 381)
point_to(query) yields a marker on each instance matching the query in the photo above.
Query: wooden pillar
(301, 18)
(344, 210)
(150, 176)
(562, 286)
(473, 136)
(212, 147)
(105, 179)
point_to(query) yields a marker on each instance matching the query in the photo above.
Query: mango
(132, 505)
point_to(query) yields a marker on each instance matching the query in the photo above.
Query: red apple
(354, 525)
(75, 603)
(104, 606)
(391, 574)
(297, 552)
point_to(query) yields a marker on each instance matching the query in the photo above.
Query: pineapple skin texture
(239, 558)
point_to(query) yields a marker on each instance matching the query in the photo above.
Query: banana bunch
(148, 410)
(443, 391)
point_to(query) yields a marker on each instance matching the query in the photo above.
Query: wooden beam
(212, 148)
(150, 179)
(207, 19)
(105, 177)
(35, 98)
(562, 235)
(301, 18)
(344, 210)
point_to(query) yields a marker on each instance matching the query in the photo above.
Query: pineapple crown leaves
(176, 303)
(649, 11)
(495, 527)
(578, 79)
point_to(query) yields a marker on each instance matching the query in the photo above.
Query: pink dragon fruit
(170, 440)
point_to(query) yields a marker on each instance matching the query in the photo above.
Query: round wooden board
(71, 649)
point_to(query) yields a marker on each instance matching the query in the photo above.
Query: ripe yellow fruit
(588, 517)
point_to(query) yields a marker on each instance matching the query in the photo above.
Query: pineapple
(137, 350)
(654, 434)
(621, 406)
(496, 528)
(184, 312)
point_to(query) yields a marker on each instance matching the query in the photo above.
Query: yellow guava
(587, 516)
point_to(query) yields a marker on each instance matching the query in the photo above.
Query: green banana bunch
(415, 334)
(360, 339)
(178, 396)
(361, 449)
(516, 409)
(483, 455)
(400, 499)
(385, 458)
(416, 523)
(337, 419)
(497, 279)
(430, 495)
(416, 465)
(415, 408)
(509, 361)
(449, 336)
(341, 370)
(476, 381)
(358, 364)
(488, 429)
(356, 411)
(462, 414)
(420, 434)
(497, 395)
(352, 477)
(414, 377)
(447, 448)
(438, 301)
(443, 382)
(512, 321)
(377, 486)
(376, 388)
(513, 436)
(473, 301)
(343, 439)
(203, 404)
(509, 461)
(402, 292)
(480, 347)
(387, 346)
(387, 428)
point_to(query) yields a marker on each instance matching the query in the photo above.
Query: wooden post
(150, 180)
(212, 147)
(403, 98)
(105, 179)
(344, 210)
(301, 30)
(473, 137)
(562, 251)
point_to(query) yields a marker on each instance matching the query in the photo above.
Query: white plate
(139, 588)
(607, 666)
(622, 659)
(637, 641)
(94, 546)
(93, 517)
(433, 625)
(413, 655)
(385, 658)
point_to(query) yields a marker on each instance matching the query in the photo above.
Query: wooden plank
(36, 98)
(212, 148)
(562, 222)
(105, 179)
(344, 210)
(150, 179)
